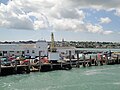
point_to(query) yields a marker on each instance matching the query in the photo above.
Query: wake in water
(101, 70)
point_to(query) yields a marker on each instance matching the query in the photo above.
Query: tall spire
(53, 49)
(52, 40)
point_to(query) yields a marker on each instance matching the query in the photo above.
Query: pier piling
(0, 65)
(77, 64)
(89, 63)
(84, 63)
(39, 60)
(15, 66)
(70, 58)
(28, 68)
(61, 64)
(101, 60)
(51, 65)
(96, 61)
(106, 59)
(117, 59)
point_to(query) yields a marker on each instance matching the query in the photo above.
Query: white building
(61, 53)
(66, 50)
(25, 49)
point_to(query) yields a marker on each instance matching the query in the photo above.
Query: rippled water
(90, 78)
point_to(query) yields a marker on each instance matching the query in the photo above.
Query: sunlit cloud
(54, 14)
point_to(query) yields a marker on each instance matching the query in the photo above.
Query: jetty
(50, 65)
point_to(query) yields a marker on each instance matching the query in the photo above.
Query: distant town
(77, 44)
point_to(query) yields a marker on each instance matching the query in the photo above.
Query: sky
(73, 20)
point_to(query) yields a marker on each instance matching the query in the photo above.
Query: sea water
(90, 78)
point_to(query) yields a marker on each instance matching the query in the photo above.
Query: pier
(65, 64)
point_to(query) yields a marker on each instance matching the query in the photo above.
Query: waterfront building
(24, 49)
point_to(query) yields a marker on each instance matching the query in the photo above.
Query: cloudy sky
(80, 20)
